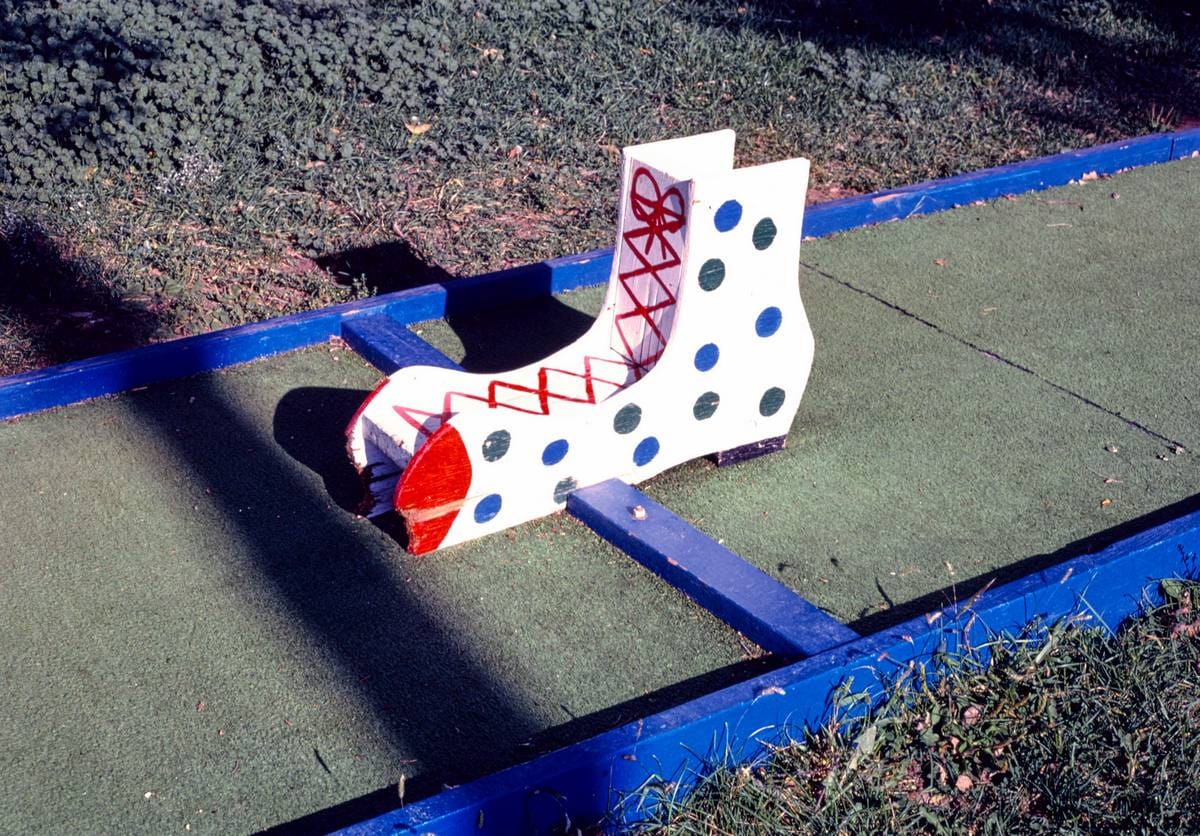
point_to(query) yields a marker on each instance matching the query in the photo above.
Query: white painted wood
(723, 366)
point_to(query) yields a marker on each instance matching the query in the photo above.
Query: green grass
(479, 135)
(1064, 729)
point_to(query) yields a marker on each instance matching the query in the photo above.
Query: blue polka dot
(487, 508)
(707, 356)
(646, 450)
(768, 322)
(728, 215)
(555, 452)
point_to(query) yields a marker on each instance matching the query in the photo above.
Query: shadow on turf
(501, 338)
(383, 800)
(330, 577)
(306, 428)
(517, 335)
(309, 424)
(963, 591)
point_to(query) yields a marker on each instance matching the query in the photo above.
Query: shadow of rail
(327, 573)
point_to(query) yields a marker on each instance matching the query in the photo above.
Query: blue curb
(743, 596)
(990, 183)
(388, 345)
(110, 374)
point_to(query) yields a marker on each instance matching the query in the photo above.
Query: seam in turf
(1058, 387)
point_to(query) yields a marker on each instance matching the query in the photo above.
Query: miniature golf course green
(201, 635)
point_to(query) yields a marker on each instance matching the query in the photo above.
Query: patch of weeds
(209, 156)
(147, 86)
(1064, 729)
(56, 305)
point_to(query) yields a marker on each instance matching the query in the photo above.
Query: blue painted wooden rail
(112, 373)
(119, 372)
(388, 345)
(741, 595)
(990, 183)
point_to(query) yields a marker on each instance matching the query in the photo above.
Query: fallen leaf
(1188, 630)
(963, 783)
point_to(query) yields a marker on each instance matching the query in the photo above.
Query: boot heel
(748, 451)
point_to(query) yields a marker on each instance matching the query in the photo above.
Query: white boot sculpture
(702, 346)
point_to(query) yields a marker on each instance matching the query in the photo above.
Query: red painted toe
(432, 489)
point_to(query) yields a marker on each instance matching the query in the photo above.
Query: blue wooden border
(112, 373)
(990, 183)
(741, 595)
(584, 783)
(1185, 144)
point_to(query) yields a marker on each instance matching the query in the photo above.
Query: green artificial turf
(920, 459)
(1094, 286)
(916, 464)
(196, 633)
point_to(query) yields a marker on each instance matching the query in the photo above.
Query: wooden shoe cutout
(702, 346)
